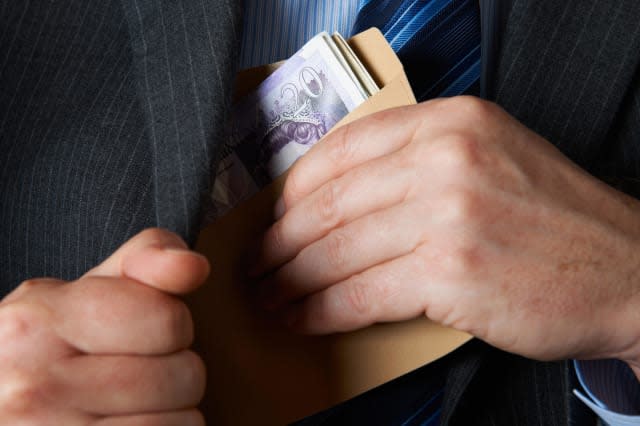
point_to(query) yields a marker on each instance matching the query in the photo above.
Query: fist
(454, 210)
(109, 348)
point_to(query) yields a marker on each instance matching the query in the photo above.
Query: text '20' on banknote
(286, 115)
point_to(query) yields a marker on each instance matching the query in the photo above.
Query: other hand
(108, 349)
(454, 210)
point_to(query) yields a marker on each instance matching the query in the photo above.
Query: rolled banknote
(355, 65)
(282, 119)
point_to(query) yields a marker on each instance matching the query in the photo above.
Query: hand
(454, 210)
(109, 348)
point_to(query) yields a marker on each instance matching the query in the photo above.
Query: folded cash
(286, 115)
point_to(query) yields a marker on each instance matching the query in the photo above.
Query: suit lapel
(184, 58)
(566, 66)
(463, 365)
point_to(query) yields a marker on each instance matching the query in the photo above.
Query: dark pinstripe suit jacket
(111, 113)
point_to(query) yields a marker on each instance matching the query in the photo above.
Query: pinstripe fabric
(496, 388)
(272, 30)
(109, 115)
(183, 61)
(570, 91)
(100, 136)
(61, 103)
(620, 163)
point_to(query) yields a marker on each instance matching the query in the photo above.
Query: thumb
(157, 258)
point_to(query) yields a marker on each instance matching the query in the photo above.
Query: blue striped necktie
(437, 41)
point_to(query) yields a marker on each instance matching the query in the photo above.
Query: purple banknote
(287, 114)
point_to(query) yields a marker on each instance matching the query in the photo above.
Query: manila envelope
(260, 373)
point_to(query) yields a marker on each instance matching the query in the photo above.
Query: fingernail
(279, 208)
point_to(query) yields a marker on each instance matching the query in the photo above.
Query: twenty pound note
(283, 118)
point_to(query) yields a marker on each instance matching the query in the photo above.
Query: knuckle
(461, 206)
(460, 152)
(21, 394)
(473, 108)
(328, 203)
(343, 147)
(464, 259)
(29, 284)
(338, 244)
(18, 321)
(29, 287)
(441, 313)
(358, 298)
